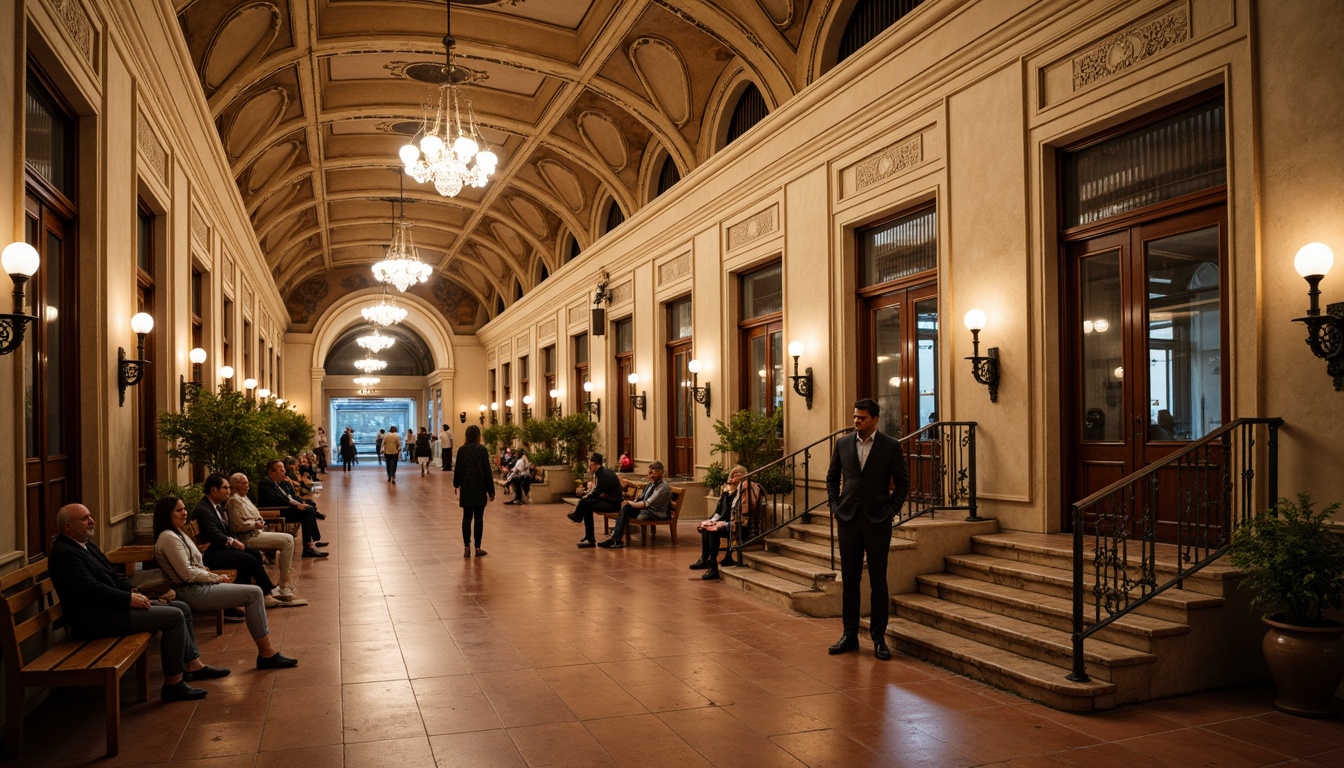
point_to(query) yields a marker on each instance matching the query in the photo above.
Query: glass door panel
(1184, 338)
(925, 385)
(1102, 344)
(888, 364)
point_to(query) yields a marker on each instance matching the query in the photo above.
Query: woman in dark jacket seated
(736, 500)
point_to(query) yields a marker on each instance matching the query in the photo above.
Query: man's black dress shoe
(574, 516)
(319, 516)
(699, 565)
(880, 649)
(587, 544)
(278, 661)
(845, 644)
(727, 561)
(182, 692)
(204, 673)
(710, 575)
(321, 544)
(612, 544)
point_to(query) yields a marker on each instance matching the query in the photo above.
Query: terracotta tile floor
(542, 654)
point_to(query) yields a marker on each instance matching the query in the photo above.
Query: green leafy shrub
(190, 495)
(220, 431)
(751, 436)
(1292, 561)
(715, 477)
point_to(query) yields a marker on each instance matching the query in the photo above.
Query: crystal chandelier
(370, 364)
(366, 381)
(449, 151)
(385, 312)
(402, 266)
(375, 342)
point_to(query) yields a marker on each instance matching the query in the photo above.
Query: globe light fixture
(20, 261)
(131, 371)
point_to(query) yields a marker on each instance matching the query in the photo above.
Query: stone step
(801, 572)
(1023, 638)
(782, 592)
(1172, 605)
(1056, 551)
(1133, 631)
(813, 533)
(1029, 678)
(820, 553)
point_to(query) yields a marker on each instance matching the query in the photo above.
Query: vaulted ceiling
(581, 100)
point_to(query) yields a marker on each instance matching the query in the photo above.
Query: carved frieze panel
(151, 149)
(1132, 45)
(578, 314)
(226, 272)
(522, 341)
(754, 228)
(490, 358)
(77, 23)
(674, 269)
(888, 162)
(623, 293)
(200, 234)
(505, 351)
(546, 330)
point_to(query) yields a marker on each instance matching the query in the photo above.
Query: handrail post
(1272, 482)
(1079, 673)
(972, 502)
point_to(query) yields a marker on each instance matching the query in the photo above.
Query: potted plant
(1294, 565)
(222, 431)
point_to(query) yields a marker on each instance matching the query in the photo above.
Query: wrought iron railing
(940, 457)
(1191, 501)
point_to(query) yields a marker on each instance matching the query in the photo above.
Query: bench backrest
(20, 591)
(674, 506)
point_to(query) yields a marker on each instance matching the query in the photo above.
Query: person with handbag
(737, 499)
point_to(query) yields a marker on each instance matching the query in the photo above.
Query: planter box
(556, 483)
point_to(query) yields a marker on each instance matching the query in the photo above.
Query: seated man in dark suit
(273, 491)
(98, 600)
(605, 496)
(652, 505)
(227, 552)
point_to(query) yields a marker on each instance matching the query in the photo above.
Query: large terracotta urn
(1307, 664)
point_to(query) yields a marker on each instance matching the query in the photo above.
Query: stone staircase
(997, 607)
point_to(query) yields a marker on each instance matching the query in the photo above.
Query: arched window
(868, 20)
(542, 272)
(749, 111)
(667, 176)
(517, 290)
(499, 305)
(614, 217)
(574, 249)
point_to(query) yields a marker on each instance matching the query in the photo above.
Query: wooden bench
(31, 606)
(647, 527)
(276, 523)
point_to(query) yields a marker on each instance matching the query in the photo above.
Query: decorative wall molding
(578, 314)
(674, 269)
(754, 228)
(1132, 45)
(888, 162)
(490, 358)
(546, 330)
(226, 270)
(151, 149)
(623, 292)
(200, 232)
(505, 352)
(522, 341)
(77, 23)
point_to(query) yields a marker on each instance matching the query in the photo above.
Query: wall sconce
(589, 404)
(639, 402)
(188, 390)
(462, 417)
(481, 408)
(802, 384)
(226, 373)
(263, 393)
(279, 401)
(508, 411)
(21, 261)
(131, 372)
(250, 384)
(985, 369)
(698, 393)
(494, 413)
(1325, 333)
(555, 410)
(527, 407)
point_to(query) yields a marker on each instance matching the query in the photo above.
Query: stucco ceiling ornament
(449, 151)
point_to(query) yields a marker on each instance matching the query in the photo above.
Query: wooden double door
(1144, 334)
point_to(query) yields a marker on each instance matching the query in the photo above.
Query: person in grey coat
(473, 484)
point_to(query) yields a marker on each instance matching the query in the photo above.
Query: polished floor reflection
(541, 654)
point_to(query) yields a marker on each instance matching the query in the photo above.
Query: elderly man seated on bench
(247, 524)
(652, 505)
(275, 491)
(98, 600)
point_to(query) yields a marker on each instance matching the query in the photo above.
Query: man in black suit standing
(866, 486)
(98, 600)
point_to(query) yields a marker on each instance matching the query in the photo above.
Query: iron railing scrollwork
(1191, 500)
(940, 457)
